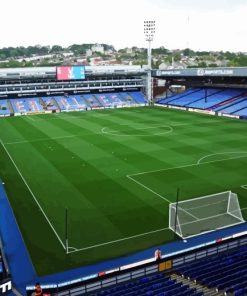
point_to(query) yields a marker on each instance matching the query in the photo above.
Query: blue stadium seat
(4, 107)
(225, 272)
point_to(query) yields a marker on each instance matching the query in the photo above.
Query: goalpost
(205, 214)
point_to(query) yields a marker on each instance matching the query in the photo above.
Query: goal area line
(130, 177)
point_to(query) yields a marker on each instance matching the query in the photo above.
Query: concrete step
(198, 286)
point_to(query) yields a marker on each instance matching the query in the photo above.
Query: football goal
(204, 214)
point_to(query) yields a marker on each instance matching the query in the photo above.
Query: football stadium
(123, 179)
(106, 178)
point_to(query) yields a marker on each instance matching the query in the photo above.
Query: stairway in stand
(193, 284)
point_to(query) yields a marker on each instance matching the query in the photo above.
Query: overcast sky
(198, 24)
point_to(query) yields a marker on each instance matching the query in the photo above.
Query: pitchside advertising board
(70, 72)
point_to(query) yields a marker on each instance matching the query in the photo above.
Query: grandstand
(65, 103)
(204, 92)
(96, 180)
(119, 87)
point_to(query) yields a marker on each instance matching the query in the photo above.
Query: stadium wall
(209, 112)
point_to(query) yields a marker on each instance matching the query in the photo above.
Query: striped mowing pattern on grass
(110, 168)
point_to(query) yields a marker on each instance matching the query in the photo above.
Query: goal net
(204, 214)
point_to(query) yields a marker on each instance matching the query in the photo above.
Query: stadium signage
(228, 115)
(5, 287)
(177, 107)
(70, 72)
(212, 72)
(237, 72)
(168, 72)
(161, 105)
(202, 111)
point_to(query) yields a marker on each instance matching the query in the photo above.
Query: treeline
(19, 52)
(9, 56)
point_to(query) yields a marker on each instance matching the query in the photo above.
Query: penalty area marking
(184, 166)
(193, 164)
(244, 187)
(221, 153)
(118, 133)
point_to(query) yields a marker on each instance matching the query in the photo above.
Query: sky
(198, 24)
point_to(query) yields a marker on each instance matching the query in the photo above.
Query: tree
(188, 52)
(56, 49)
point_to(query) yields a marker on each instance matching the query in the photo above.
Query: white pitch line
(123, 239)
(32, 194)
(159, 195)
(149, 189)
(118, 133)
(185, 166)
(53, 138)
(220, 153)
(30, 117)
(119, 240)
(40, 139)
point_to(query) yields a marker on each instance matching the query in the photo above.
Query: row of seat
(225, 272)
(231, 101)
(71, 102)
(157, 284)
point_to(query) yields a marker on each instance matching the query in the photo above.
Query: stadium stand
(178, 96)
(128, 99)
(4, 268)
(238, 106)
(228, 101)
(116, 100)
(30, 105)
(104, 100)
(242, 112)
(70, 103)
(49, 103)
(5, 108)
(138, 97)
(215, 98)
(92, 101)
(226, 272)
(156, 284)
(194, 97)
(120, 99)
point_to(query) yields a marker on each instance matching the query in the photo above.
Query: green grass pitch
(116, 172)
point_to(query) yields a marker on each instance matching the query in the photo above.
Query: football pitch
(115, 171)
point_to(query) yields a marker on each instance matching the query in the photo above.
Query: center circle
(106, 130)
